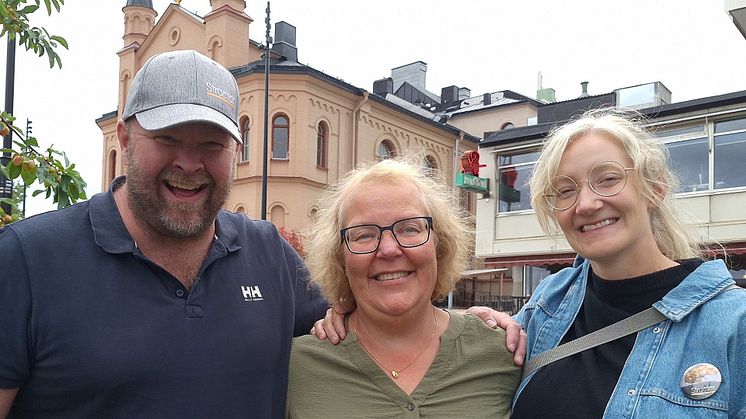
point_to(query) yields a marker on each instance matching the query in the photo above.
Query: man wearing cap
(149, 300)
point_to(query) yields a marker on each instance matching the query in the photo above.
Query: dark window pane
(513, 190)
(730, 153)
(385, 150)
(679, 131)
(690, 163)
(280, 143)
(732, 125)
(321, 139)
(518, 158)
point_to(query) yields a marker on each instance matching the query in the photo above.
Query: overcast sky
(487, 45)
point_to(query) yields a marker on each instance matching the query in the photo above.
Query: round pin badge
(701, 381)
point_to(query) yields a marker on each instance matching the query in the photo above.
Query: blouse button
(657, 330)
(410, 407)
(631, 392)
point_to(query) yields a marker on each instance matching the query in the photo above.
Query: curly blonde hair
(450, 224)
(654, 177)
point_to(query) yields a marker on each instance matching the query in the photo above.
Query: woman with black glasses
(606, 184)
(389, 240)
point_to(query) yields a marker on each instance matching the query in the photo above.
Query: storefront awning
(482, 272)
(563, 259)
(732, 249)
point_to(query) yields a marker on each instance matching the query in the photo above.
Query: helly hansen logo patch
(251, 293)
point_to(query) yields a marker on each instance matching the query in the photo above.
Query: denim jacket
(703, 325)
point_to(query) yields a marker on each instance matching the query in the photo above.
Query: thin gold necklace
(395, 372)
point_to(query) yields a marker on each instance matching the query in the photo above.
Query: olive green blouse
(472, 376)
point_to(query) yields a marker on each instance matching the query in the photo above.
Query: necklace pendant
(394, 374)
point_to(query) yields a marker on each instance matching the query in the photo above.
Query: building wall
(493, 119)
(357, 123)
(714, 214)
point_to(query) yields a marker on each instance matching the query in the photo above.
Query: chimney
(413, 73)
(448, 96)
(464, 93)
(546, 95)
(384, 86)
(584, 85)
(487, 99)
(284, 43)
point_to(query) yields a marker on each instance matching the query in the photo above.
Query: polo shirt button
(410, 407)
(179, 293)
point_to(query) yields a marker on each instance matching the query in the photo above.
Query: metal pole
(6, 185)
(265, 152)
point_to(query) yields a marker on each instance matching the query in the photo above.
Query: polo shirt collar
(108, 228)
(111, 235)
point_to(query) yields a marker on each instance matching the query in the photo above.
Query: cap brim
(182, 113)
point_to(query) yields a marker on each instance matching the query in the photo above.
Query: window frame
(512, 151)
(322, 144)
(246, 139)
(390, 145)
(275, 127)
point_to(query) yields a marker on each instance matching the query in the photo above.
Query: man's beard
(178, 220)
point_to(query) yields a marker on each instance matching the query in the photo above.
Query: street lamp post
(265, 152)
(6, 185)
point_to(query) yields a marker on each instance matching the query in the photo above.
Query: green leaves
(50, 169)
(15, 23)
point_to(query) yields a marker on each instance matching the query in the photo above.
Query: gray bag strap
(622, 328)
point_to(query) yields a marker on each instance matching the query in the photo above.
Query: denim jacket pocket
(663, 403)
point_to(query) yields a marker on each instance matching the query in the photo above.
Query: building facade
(706, 140)
(319, 127)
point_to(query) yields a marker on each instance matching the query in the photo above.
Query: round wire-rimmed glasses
(606, 178)
(408, 232)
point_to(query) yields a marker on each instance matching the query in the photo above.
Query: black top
(580, 386)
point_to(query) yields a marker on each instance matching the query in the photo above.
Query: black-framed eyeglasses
(606, 178)
(408, 232)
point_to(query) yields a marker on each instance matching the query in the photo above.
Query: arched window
(386, 150)
(246, 138)
(507, 125)
(322, 138)
(431, 163)
(280, 137)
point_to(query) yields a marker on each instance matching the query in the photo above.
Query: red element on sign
(510, 175)
(470, 163)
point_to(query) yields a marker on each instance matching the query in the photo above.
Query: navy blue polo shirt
(91, 328)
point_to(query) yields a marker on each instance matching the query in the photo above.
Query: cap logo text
(221, 94)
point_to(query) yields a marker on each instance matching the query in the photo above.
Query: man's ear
(123, 134)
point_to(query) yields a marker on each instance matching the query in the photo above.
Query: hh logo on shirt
(251, 293)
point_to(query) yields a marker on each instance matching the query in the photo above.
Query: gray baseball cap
(180, 87)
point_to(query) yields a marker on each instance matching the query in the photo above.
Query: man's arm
(7, 395)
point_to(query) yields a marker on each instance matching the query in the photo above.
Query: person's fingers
(520, 353)
(318, 330)
(513, 337)
(338, 324)
(484, 313)
(328, 328)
